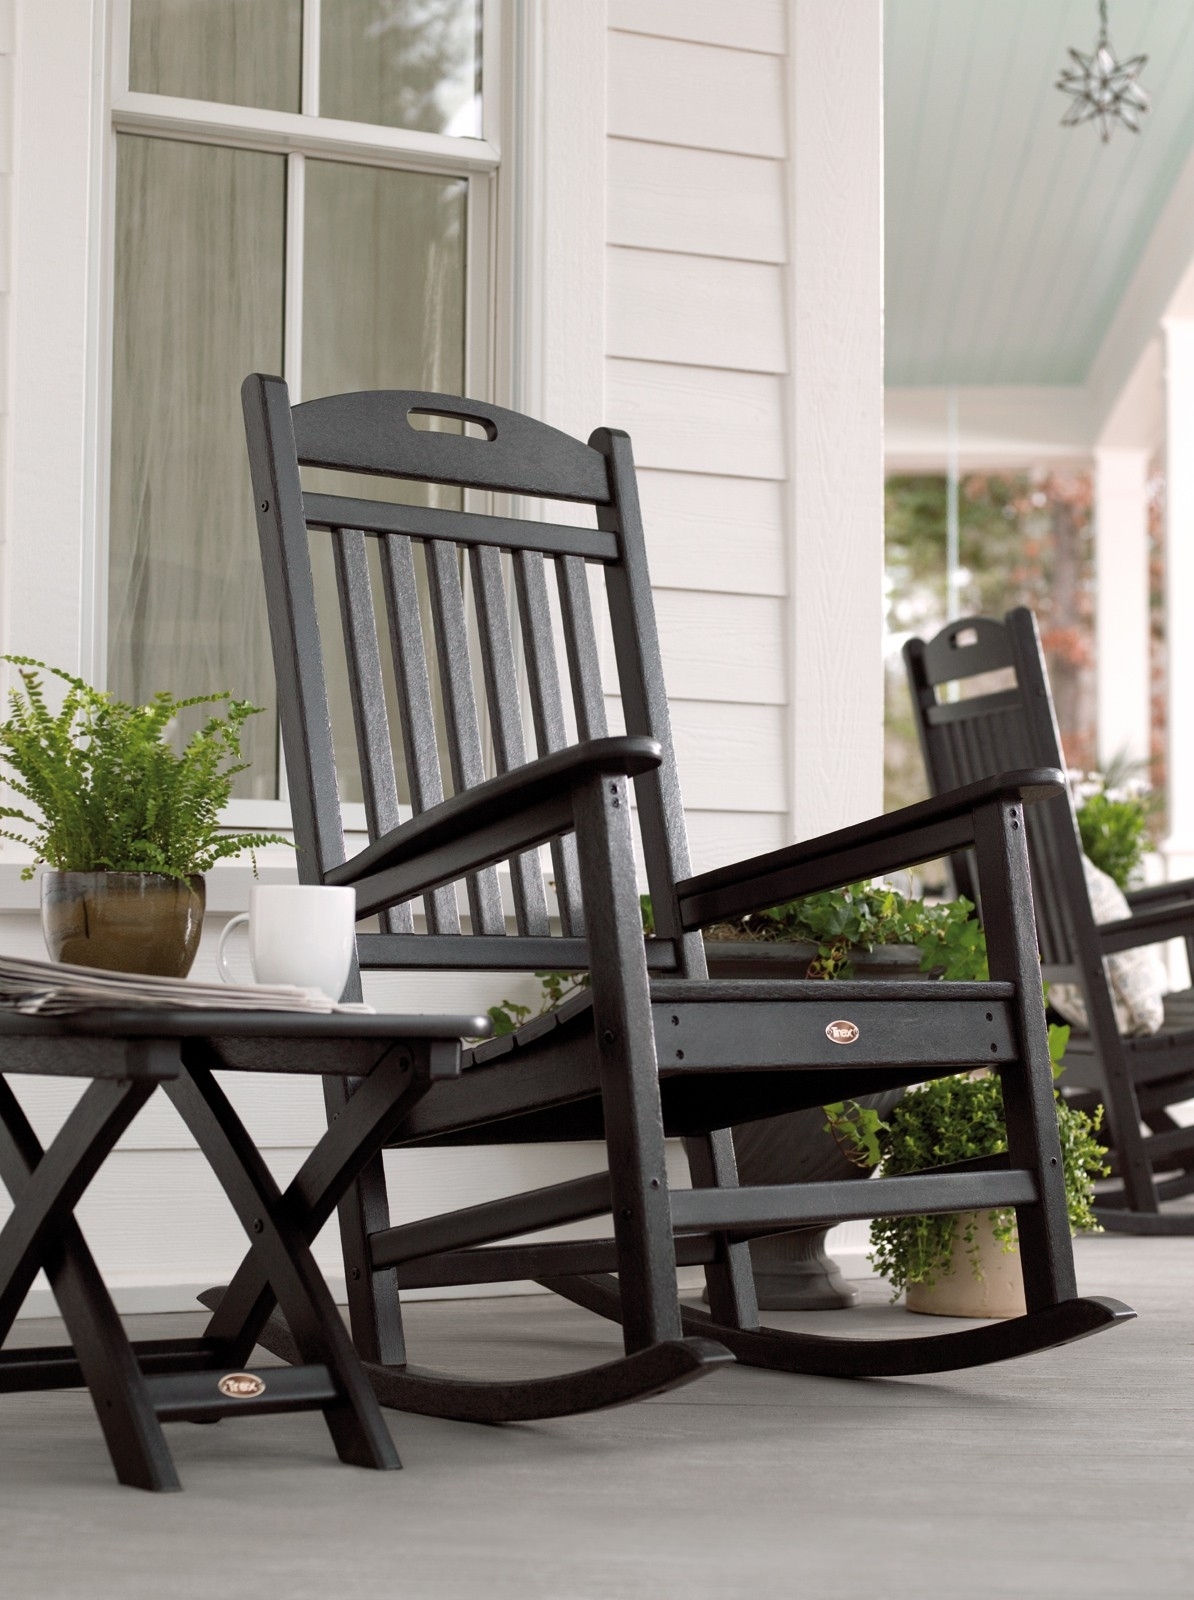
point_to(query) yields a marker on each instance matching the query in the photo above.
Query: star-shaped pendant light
(1104, 89)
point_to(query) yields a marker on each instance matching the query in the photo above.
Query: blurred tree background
(1024, 539)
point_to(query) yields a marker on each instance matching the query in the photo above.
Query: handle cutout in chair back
(965, 648)
(475, 427)
(379, 432)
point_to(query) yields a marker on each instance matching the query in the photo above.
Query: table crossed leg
(135, 1386)
(45, 1187)
(281, 1257)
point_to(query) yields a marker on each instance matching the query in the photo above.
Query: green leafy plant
(863, 915)
(959, 1118)
(1114, 832)
(554, 988)
(110, 793)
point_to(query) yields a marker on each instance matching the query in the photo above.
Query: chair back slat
(460, 713)
(505, 714)
(584, 663)
(494, 643)
(983, 734)
(367, 691)
(547, 715)
(415, 710)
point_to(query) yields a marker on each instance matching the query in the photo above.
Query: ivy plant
(110, 794)
(958, 1118)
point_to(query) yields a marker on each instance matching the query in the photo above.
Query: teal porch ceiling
(1009, 239)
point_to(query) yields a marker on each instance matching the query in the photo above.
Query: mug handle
(221, 960)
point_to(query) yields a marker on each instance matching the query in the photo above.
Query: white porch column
(1121, 603)
(835, 413)
(1179, 590)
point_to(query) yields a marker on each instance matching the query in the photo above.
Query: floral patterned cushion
(1137, 977)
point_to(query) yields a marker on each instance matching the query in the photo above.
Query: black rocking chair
(655, 1048)
(1137, 1079)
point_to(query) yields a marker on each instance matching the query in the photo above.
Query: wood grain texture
(717, 837)
(665, 197)
(721, 534)
(695, 94)
(730, 757)
(698, 419)
(695, 309)
(722, 646)
(757, 25)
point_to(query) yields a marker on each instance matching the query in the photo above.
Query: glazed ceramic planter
(123, 921)
(999, 1292)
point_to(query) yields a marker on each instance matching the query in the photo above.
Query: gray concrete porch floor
(1064, 1474)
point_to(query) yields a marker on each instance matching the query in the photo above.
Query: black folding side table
(127, 1055)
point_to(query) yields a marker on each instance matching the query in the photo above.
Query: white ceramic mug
(299, 933)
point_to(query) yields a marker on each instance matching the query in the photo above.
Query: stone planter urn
(142, 922)
(792, 1271)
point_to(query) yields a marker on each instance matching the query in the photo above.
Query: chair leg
(352, 1415)
(1029, 1105)
(627, 1065)
(730, 1277)
(107, 1363)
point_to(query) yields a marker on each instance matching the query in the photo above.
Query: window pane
(199, 281)
(402, 63)
(383, 308)
(239, 52)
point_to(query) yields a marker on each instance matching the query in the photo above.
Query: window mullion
(309, 102)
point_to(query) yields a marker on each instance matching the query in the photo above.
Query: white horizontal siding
(749, 25)
(722, 646)
(721, 534)
(698, 310)
(730, 757)
(699, 419)
(718, 837)
(699, 95)
(697, 351)
(665, 197)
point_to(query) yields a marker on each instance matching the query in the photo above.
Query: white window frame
(297, 136)
(543, 354)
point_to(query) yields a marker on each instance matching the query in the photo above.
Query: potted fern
(126, 826)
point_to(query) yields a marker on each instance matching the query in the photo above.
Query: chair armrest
(1147, 927)
(931, 828)
(1159, 894)
(500, 818)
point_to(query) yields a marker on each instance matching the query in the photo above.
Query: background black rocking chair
(655, 1048)
(1137, 1079)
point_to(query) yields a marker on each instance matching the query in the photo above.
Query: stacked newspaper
(54, 988)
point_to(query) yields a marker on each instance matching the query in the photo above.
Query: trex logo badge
(841, 1032)
(241, 1385)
